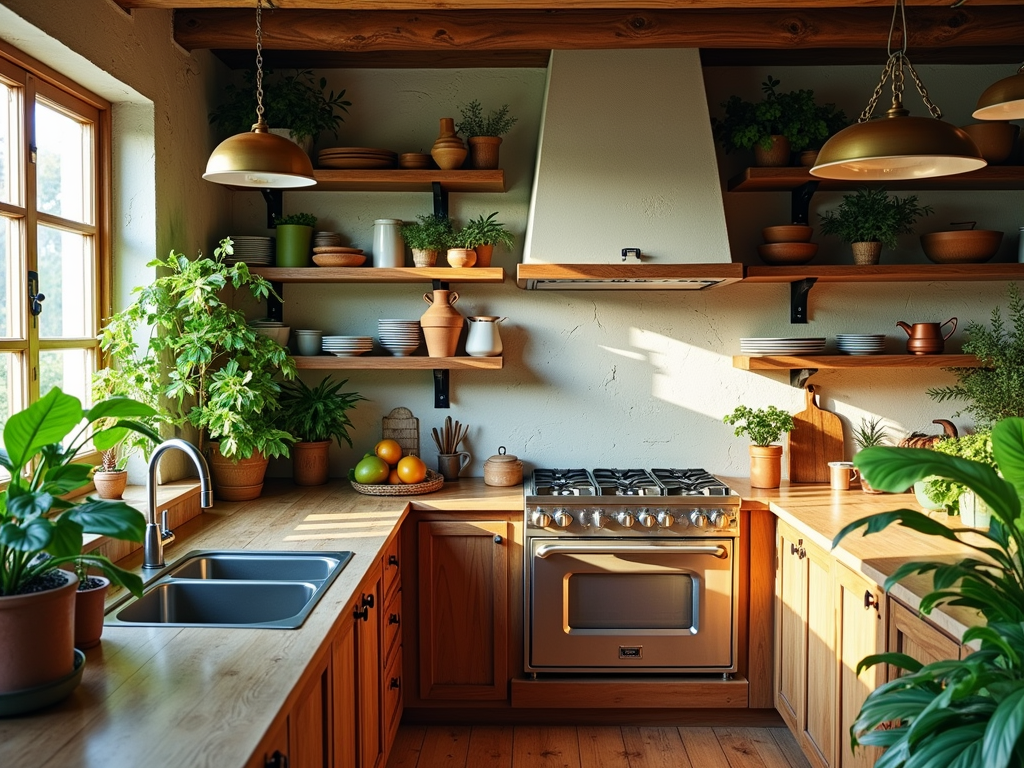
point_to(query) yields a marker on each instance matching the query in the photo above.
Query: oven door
(632, 604)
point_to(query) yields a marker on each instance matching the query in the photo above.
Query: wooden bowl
(965, 246)
(995, 139)
(787, 254)
(339, 259)
(787, 233)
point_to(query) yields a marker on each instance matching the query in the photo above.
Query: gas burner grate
(627, 482)
(690, 482)
(563, 482)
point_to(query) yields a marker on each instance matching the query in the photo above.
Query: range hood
(626, 192)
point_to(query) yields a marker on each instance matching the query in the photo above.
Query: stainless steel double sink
(224, 588)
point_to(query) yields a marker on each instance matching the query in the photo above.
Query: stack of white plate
(861, 343)
(347, 346)
(793, 346)
(327, 239)
(258, 251)
(399, 337)
(275, 329)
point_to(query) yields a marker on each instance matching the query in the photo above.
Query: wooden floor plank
(788, 744)
(545, 747)
(702, 748)
(601, 747)
(445, 747)
(405, 752)
(654, 748)
(739, 748)
(767, 748)
(490, 746)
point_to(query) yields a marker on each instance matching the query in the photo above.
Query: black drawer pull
(396, 682)
(368, 601)
(277, 760)
(361, 614)
(393, 560)
(393, 618)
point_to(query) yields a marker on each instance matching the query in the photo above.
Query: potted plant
(427, 238)
(296, 105)
(41, 530)
(869, 434)
(869, 219)
(764, 427)
(461, 244)
(222, 379)
(955, 498)
(315, 416)
(484, 133)
(294, 234)
(90, 600)
(111, 476)
(960, 711)
(488, 233)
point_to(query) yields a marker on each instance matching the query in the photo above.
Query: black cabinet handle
(368, 601)
(396, 682)
(870, 601)
(361, 614)
(498, 539)
(393, 618)
(393, 560)
(277, 760)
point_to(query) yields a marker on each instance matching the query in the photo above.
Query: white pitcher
(483, 339)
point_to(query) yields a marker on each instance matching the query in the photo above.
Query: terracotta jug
(448, 151)
(442, 323)
(926, 338)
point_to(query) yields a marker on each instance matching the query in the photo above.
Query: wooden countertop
(205, 697)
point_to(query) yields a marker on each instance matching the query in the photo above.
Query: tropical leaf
(1004, 731)
(46, 421)
(119, 407)
(1008, 449)
(108, 518)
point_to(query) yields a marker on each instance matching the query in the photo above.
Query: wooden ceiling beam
(360, 32)
(507, 5)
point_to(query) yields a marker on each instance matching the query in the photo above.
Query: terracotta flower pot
(775, 156)
(461, 257)
(866, 253)
(483, 152)
(765, 466)
(310, 462)
(237, 479)
(37, 634)
(110, 485)
(89, 604)
(483, 255)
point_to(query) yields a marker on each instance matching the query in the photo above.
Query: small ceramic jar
(503, 469)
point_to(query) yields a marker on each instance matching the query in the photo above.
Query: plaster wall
(616, 378)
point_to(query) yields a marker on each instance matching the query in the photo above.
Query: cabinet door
(914, 636)
(790, 610)
(818, 715)
(463, 609)
(273, 752)
(860, 632)
(370, 736)
(310, 723)
(344, 699)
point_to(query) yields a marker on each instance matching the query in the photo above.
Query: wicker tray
(434, 482)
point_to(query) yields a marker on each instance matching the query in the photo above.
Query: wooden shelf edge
(380, 275)
(879, 273)
(1000, 177)
(402, 180)
(789, 363)
(666, 277)
(416, 363)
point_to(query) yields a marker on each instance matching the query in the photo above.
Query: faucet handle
(166, 534)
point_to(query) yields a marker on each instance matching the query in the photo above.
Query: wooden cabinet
(369, 672)
(914, 636)
(309, 723)
(273, 751)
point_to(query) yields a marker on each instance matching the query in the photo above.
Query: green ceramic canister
(293, 241)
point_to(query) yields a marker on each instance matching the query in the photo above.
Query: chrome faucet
(158, 535)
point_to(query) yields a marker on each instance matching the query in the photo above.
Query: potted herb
(488, 233)
(41, 529)
(869, 434)
(461, 244)
(294, 234)
(222, 377)
(959, 711)
(869, 219)
(764, 427)
(296, 103)
(956, 498)
(484, 133)
(90, 600)
(315, 416)
(427, 238)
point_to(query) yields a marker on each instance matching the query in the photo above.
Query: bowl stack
(356, 158)
(787, 245)
(399, 337)
(861, 343)
(347, 346)
(257, 251)
(273, 329)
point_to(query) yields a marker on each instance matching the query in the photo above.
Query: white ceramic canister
(483, 339)
(388, 246)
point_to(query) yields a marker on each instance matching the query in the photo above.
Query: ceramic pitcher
(483, 339)
(442, 323)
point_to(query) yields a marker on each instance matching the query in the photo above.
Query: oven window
(631, 601)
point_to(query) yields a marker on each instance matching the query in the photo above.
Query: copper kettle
(927, 338)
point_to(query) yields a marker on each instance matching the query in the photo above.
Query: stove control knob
(698, 519)
(540, 518)
(598, 518)
(625, 519)
(561, 518)
(645, 518)
(665, 519)
(722, 519)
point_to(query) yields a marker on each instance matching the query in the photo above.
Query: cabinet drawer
(392, 626)
(393, 698)
(392, 572)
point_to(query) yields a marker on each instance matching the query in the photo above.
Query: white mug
(841, 474)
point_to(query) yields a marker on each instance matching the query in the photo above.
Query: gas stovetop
(626, 484)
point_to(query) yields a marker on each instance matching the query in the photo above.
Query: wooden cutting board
(816, 439)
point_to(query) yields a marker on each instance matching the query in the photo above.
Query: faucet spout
(156, 535)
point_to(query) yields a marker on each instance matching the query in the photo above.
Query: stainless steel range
(630, 570)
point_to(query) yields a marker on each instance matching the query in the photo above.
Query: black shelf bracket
(439, 285)
(275, 205)
(799, 290)
(440, 199)
(801, 202)
(441, 388)
(798, 376)
(274, 308)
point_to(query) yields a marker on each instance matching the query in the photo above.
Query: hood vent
(626, 161)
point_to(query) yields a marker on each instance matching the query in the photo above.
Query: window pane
(62, 167)
(65, 276)
(8, 144)
(69, 369)
(11, 396)
(11, 284)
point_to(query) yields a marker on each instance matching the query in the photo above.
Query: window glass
(8, 140)
(62, 165)
(11, 396)
(69, 369)
(10, 296)
(65, 265)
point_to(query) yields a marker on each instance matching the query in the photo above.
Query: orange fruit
(389, 450)
(393, 478)
(412, 470)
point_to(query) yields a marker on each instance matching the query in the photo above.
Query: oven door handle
(608, 548)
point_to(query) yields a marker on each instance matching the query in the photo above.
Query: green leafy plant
(870, 433)
(497, 123)
(314, 414)
(40, 445)
(959, 712)
(463, 237)
(975, 447)
(297, 101)
(430, 234)
(794, 115)
(993, 391)
(300, 219)
(487, 231)
(763, 426)
(222, 375)
(870, 215)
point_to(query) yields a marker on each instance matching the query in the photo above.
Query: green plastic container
(293, 241)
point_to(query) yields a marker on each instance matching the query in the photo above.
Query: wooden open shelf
(413, 363)
(380, 274)
(1000, 177)
(886, 273)
(819, 362)
(398, 180)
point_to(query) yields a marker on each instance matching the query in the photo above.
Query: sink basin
(273, 590)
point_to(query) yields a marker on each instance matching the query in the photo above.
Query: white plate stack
(347, 346)
(275, 329)
(257, 251)
(861, 343)
(399, 337)
(795, 346)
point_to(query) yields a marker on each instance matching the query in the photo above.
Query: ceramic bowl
(966, 246)
(280, 335)
(787, 233)
(339, 259)
(787, 254)
(995, 139)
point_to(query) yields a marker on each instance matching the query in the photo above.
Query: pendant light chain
(259, 62)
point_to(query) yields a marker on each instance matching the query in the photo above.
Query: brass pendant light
(897, 146)
(1003, 100)
(259, 158)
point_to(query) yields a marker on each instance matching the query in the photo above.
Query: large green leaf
(908, 518)
(66, 478)
(107, 438)
(1008, 450)
(898, 660)
(1004, 731)
(33, 536)
(25, 506)
(942, 748)
(67, 538)
(48, 420)
(109, 518)
(120, 408)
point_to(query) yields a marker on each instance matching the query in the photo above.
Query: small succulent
(870, 433)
